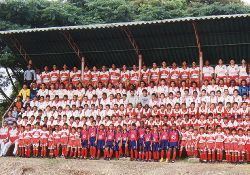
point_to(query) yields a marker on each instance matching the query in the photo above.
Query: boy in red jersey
(108, 152)
(125, 151)
(210, 142)
(141, 132)
(118, 142)
(27, 140)
(57, 137)
(21, 144)
(247, 146)
(72, 144)
(92, 140)
(35, 139)
(133, 137)
(174, 138)
(234, 146)
(147, 143)
(51, 143)
(84, 139)
(155, 144)
(183, 139)
(241, 145)
(164, 141)
(101, 136)
(201, 144)
(44, 135)
(219, 143)
(64, 139)
(227, 144)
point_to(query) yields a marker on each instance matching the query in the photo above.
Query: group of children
(141, 143)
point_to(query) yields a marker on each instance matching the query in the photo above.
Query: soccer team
(157, 114)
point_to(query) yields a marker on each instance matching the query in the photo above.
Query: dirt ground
(35, 166)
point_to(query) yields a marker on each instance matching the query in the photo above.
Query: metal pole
(201, 66)
(82, 67)
(140, 64)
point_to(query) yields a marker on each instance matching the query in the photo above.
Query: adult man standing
(29, 75)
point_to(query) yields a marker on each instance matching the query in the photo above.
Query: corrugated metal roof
(169, 40)
(112, 25)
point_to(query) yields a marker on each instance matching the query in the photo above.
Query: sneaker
(161, 160)
(173, 161)
(167, 160)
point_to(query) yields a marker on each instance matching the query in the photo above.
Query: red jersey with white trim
(45, 77)
(134, 76)
(145, 75)
(114, 74)
(95, 76)
(75, 76)
(174, 73)
(132, 135)
(194, 72)
(164, 72)
(174, 136)
(110, 135)
(184, 73)
(154, 74)
(101, 135)
(125, 75)
(54, 76)
(104, 76)
(13, 135)
(64, 75)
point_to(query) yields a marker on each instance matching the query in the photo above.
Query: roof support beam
(199, 49)
(74, 46)
(132, 41)
(20, 49)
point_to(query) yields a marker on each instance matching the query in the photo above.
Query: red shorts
(73, 143)
(247, 148)
(219, 146)
(183, 143)
(234, 146)
(241, 148)
(44, 142)
(201, 146)
(27, 142)
(227, 146)
(57, 141)
(211, 146)
(207, 78)
(64, 141)
(21, 143)
(35, 141)
(233, 77)
(51, 144)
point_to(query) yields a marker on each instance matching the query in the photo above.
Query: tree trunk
(4, 95)
(11, 80)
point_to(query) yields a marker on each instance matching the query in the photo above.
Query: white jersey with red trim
(243, 71)
(95, 76)
(154, 73)
(125, 75)
(184, 73)
(145, 74)
(233, 70)
(104, 76)
(221, 70)
(208, 71)
(114, 74)
(134, 75)
(174, 73)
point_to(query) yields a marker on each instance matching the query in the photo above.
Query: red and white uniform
(208, 72)
(243, 72)
(64, 76)
(164, 73)
(95, 76)
(221, 71)
(114, 76)
(54, 76)
(57, 137)
(241, 143)
(125, 75)
(202, 141)
(134, 76)
(75, 76)
(145, 75)
(219, 140)
(45, 77)
(44, 135)
(233, 71)
(174, 73)
(64, 137)
(184, 73)
(87, 77)
(210, 141)
(104, 77)
(194, 73)
(155, 74)
(35, 137)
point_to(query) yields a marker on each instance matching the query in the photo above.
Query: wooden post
(201, 66)
(140, 64)
(82, 67)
